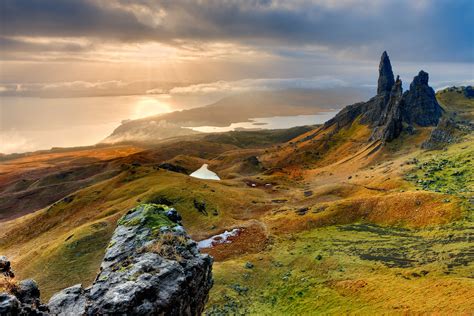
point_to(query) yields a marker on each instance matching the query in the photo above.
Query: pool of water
(218, 239)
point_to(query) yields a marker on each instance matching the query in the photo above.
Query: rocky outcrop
(391, 111)
(371, 111)
(468, 92)
(23, 298)
(5, 267)
(444, 134)
(390, 123)
(151, 267)
(386, 78)
(420, 106)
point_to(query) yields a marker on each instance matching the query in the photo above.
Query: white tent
(204, 173)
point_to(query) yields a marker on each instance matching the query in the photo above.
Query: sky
(61, 48)
(71, 70)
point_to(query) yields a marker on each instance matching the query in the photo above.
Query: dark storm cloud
(438, 30)
(67, 18)
(10, 45)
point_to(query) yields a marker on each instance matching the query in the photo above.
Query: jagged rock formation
(390, 123)
(386, 79)
(391, 110)
(419, 103)
(151, 267)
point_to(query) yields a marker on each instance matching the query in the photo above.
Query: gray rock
(137, 279)
(419, 103)
(469, 92)
(9, 305)
(390, 123)
(386, 78)
(28, 292)
(173, 215)
(369, 112)
(391, 111)
(442, 135)
(70, 301)
(5, 267)
(151, 267)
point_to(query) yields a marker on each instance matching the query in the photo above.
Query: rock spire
(386, 79)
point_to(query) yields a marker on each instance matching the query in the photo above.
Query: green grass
(305, 274)
(451, 173)
(153, 216)
(448, 171)
(67, 260)
(39, 247)
(258, 139)
(454, 100)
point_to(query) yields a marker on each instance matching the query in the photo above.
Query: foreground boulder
(151, 267)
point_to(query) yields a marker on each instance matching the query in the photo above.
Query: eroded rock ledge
(151, 267)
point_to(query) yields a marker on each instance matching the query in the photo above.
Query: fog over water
(28, 124)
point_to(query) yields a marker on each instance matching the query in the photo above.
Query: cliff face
(151, 267)
(389, 125)
(391, 109)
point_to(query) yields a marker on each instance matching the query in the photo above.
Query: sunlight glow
(149, 105)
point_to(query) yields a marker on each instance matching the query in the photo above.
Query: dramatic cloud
(425, 30)
(116, 87)
(258, 85)
(104, 47)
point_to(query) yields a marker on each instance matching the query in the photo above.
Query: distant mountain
(234, 109)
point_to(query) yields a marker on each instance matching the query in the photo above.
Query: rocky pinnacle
(389, 112)
(386, 79)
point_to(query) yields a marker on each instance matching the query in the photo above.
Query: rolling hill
(338, 218)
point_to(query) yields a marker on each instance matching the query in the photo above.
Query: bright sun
(150, 105)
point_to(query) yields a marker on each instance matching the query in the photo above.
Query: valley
(351, 215)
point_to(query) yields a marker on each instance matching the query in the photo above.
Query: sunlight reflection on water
(28, 124)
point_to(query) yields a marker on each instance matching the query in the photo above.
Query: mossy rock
(149, 215)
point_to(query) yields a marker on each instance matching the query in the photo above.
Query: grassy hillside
(328, 222)
(454, 100)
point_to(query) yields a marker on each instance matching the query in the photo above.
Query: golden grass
(350, 182)
(166, 245)
(8, 285)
